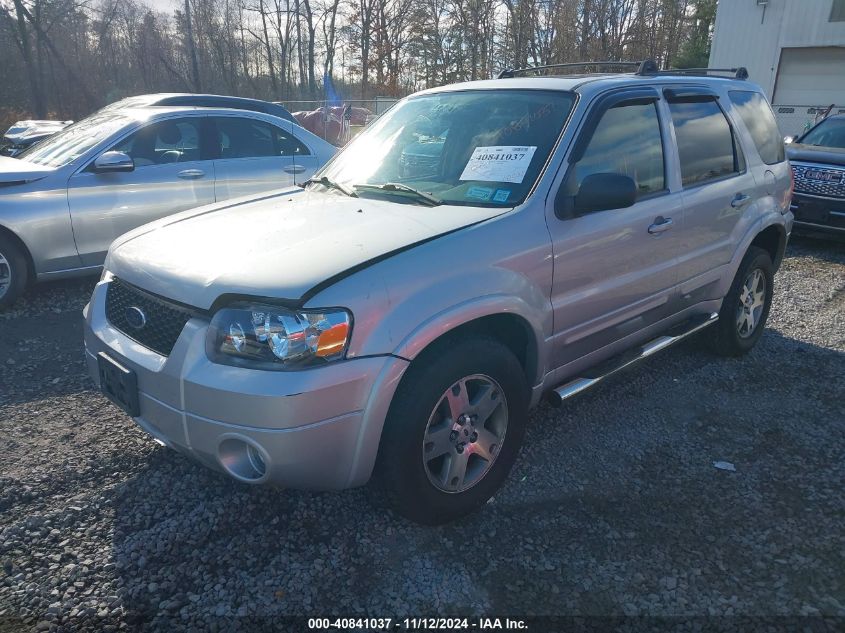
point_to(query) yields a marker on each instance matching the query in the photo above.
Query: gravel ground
(614, 508)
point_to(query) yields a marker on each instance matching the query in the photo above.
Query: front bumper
(312, 429)
(818, 214)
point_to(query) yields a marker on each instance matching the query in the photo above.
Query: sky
(166, 6)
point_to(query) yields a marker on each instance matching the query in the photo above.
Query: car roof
(167, 99)
(160, 96)
(145, 113)
(591, 83)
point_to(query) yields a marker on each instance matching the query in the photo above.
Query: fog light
(242, 459)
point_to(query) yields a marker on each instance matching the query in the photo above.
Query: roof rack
(647, 67)
(738, 73)
(519, 71)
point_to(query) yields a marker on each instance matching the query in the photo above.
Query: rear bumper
(818, 214)
(311, 429)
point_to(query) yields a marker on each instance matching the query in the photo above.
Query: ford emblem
(135, 317)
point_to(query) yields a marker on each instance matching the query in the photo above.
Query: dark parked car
(818, 166)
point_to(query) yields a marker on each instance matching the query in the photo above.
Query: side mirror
(788, 139)
(113, 162)
(600, 192)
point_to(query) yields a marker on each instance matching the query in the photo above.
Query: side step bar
(596, 374)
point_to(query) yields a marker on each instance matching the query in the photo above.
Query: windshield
(828, 133)
(479, 147)
(67, 145)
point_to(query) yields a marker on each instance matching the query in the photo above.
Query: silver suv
(397, 318)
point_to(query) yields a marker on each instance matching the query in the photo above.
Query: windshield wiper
(398, 186)
(331, 184)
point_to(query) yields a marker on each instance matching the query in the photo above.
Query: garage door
(811, 76)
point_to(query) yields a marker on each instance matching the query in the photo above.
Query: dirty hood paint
(278, 246)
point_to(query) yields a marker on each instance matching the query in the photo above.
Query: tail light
(786, 202)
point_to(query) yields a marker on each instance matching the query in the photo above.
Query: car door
(615, 269)
(172, 172)
(719, 191)
(254, 155)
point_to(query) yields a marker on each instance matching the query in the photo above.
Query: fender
(401, 304)
(765, 221)
(471, 310)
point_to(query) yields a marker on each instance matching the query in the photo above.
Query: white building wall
(751, 35)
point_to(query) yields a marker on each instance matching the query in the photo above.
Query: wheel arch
(510, 328)
(17, 241)
(772, 239)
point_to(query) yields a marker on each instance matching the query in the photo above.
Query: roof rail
(647, 67)
(518, 71)
(738, 73)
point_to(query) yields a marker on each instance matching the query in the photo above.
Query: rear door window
(288, 144)
(239, 137)
(706, 144)
(760, 121)
(245, 138)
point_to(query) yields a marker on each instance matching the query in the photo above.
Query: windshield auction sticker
(504, 163)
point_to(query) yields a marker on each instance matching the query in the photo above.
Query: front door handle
(191, 174)
(295, 169)
(660, 225)
(740, 200)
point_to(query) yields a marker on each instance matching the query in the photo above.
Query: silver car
(387, 323)
(63, 201)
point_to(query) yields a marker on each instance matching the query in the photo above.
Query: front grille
(163, 322)
(832, 188)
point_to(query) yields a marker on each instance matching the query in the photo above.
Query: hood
(816, 154)
(279, 246)
(17, 171)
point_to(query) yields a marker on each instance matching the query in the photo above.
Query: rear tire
(746, 306)
(14, 272)
(453, 430)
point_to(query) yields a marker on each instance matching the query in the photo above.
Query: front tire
(746, 306)
(453, 430)
(14, 272)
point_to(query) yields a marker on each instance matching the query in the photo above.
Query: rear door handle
(660, 225)
(191, 174)
(740, 200)
(294, 169)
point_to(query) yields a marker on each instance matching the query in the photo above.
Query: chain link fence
(338, 122)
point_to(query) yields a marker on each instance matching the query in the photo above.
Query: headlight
(277, 338)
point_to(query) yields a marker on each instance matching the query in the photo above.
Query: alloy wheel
(752, 301)
(464, 433)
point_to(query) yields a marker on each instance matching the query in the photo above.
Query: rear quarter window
(760, 121)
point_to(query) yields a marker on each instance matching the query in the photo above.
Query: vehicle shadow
(614, 507)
